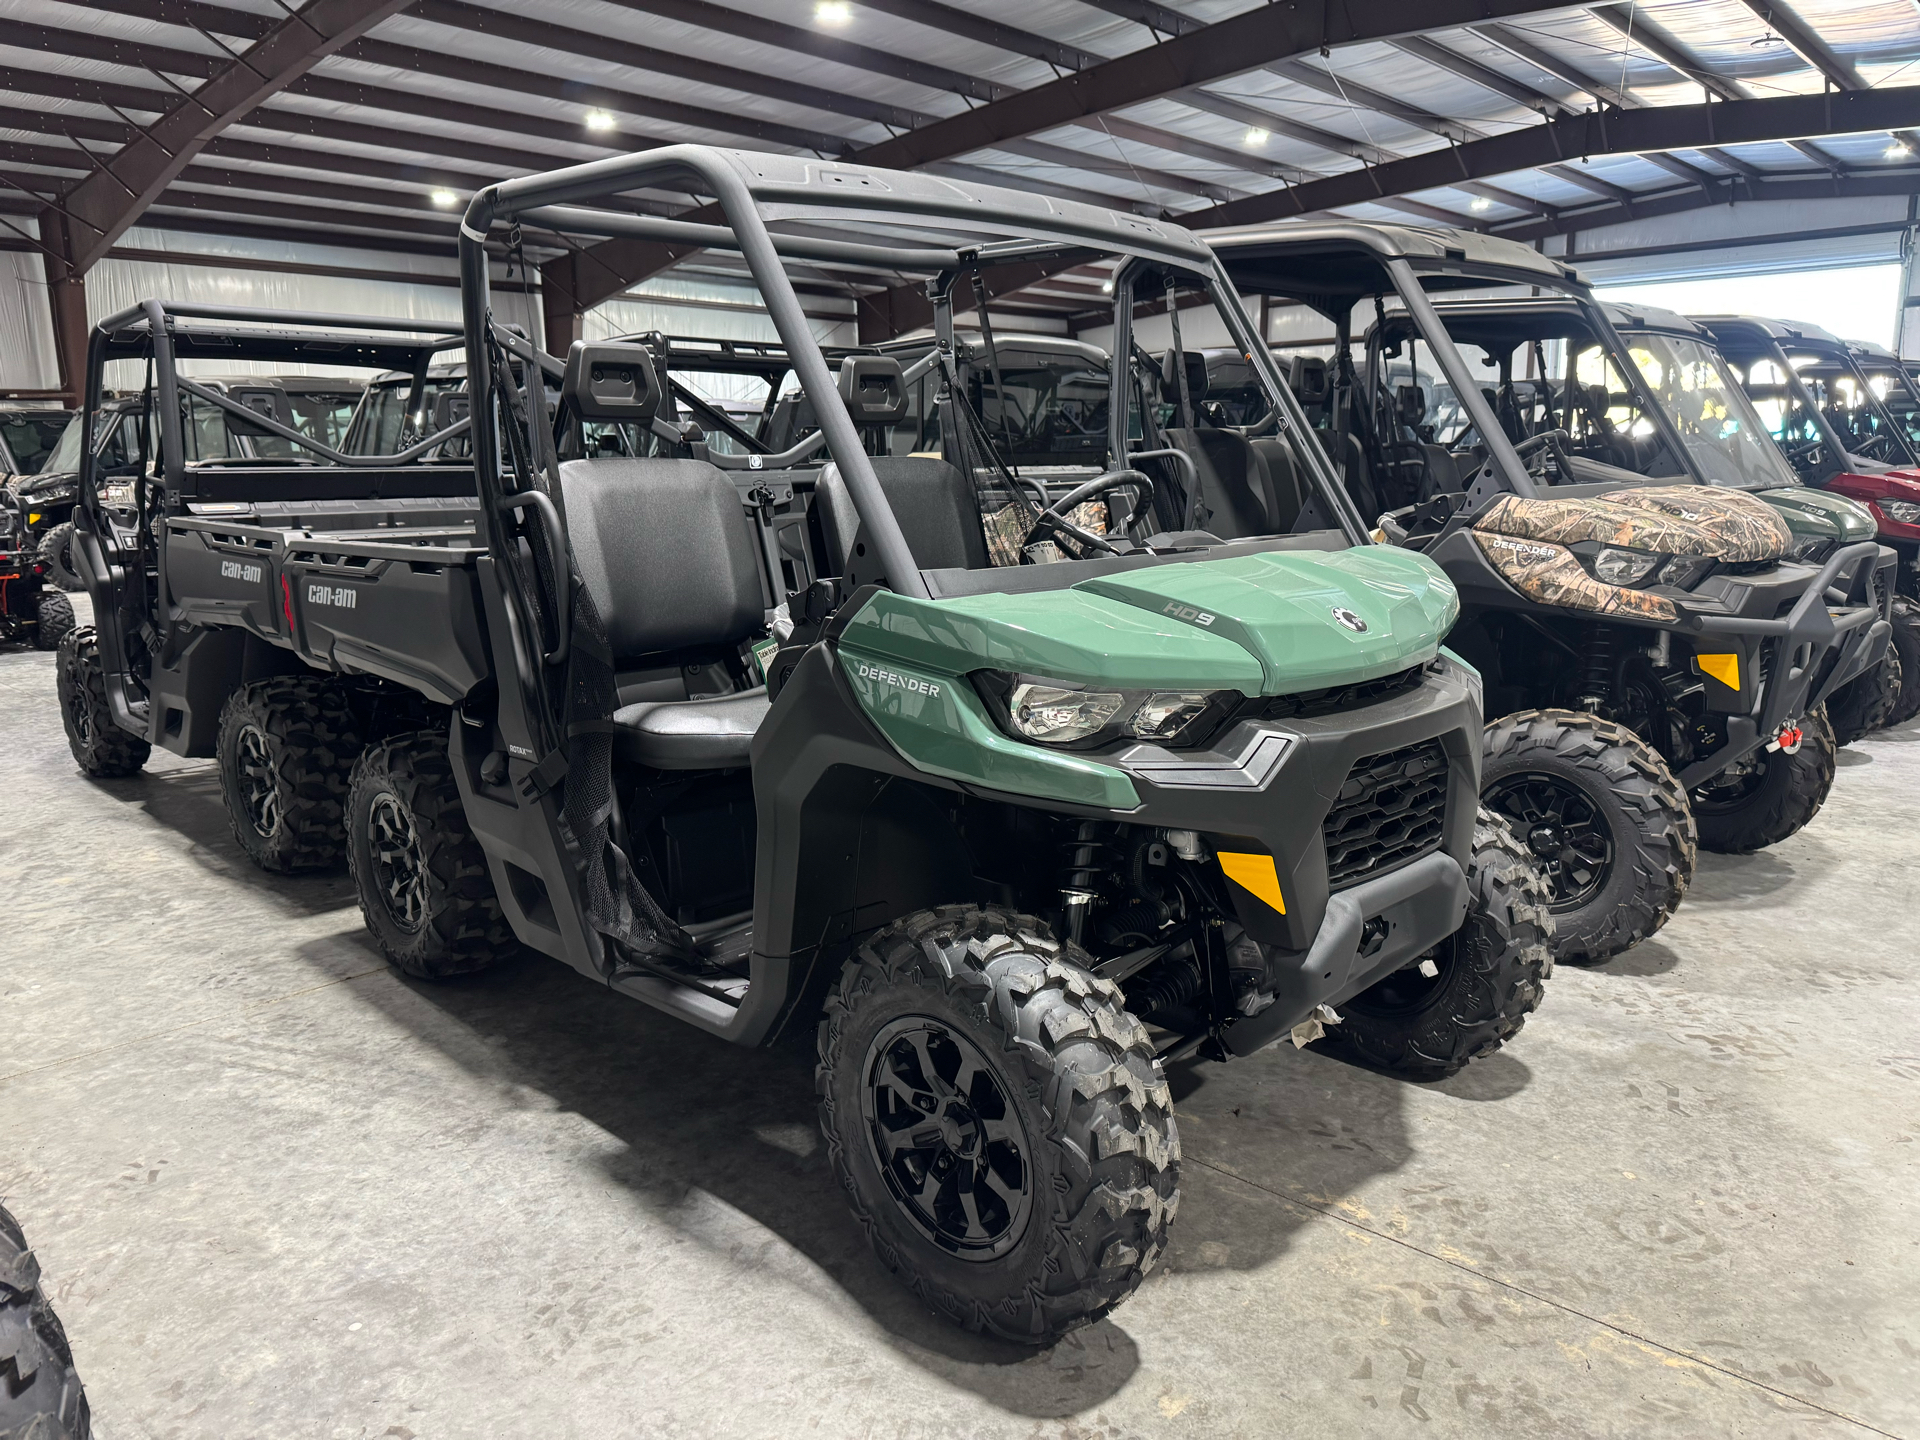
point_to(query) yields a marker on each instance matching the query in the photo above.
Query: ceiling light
(1107, 287)
(833, 12)
(1899, 150)
(445, 199)
(599, 120)
(1480, 202)
(1255, 136)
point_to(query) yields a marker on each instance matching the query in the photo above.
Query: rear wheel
(40, 1392)
(100, 747)
(56, 621)
(56, 552)
(998, 1122)
(1473, 992)
(1604, 818)
(285, 749)
(422, 878)
(1770, 795)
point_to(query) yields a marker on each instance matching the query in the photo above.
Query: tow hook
(1787, 740)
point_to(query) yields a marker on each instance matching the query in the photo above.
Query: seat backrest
(935, 506)
(1284, 482)
(665, 550)
(1236, 499)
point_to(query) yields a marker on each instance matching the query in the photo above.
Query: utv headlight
(1618, 566)
(1905, 512)
(1684, 571)
(1061, 713)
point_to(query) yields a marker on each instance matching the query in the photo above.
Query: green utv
(1656, 649)
(1024, 813)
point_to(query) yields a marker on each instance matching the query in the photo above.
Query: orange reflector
(1256, 874)
(1724, 668)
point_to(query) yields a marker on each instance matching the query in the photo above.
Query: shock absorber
(1084, 867)
(1597, 670)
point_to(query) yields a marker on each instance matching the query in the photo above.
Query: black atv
(1656, 654)
(1009, 812)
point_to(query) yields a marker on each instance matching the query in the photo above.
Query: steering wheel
(1548, 442)
(1875, 447)
(1054, 518)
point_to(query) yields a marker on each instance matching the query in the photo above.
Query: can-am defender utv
(1799, 377)
(1727, 442)
(1011, 835)
(1641, 640)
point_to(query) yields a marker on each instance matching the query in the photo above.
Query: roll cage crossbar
(753, 190)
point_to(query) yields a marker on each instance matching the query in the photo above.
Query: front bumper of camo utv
(1793, 641)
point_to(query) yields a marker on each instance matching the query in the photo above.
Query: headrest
(611, 381)
(451, 407)
(1196, 374)
(873, 389)
(1307, 378)
(1411, 402)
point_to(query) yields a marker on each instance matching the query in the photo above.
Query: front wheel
(56, 621)
(998, 1122)
(56, 553)
(1907, 646)
(424, 888)
(1864, 704)
(40, 1392)
(1767, 797)
(1604, 819)
(1471, 994)
(101, 748)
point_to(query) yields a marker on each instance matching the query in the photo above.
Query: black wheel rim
(1733, 788)
(80, 716)
(400, 871)
(1411, 990)
(259, 781)
(947, 1139)
(1564, 829)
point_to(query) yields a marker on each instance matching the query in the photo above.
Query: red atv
(1843, 413)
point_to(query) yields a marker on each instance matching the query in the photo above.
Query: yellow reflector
(1724, 668)
(1256, 874)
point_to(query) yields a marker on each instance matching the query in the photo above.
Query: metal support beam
(112, 198)
(1667, 127)
(1805, 43)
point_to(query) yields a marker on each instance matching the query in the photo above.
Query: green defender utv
(1013, 830)
(1655, 652)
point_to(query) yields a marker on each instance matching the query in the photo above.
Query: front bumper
(1836, 629)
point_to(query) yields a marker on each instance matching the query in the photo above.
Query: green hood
(1813, 514)
(1267, 624)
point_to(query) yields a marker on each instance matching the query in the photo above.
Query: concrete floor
(276, 1189)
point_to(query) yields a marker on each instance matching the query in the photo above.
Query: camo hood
(1674, 520)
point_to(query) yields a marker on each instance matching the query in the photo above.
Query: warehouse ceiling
(367, 122)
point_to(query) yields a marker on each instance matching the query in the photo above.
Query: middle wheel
(285, 749)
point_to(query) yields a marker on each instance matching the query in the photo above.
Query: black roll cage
(752, 191)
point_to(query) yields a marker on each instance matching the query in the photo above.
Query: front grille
(1335, 698)
(1390, 810)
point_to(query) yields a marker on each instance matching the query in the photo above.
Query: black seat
(932, 501)
(714, 733)
(1234, 498)
(666, 553)
(935, 506)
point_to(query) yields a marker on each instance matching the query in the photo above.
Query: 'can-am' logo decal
(319, 593)
(1347, 617)
(238, 570)
(1187, 612)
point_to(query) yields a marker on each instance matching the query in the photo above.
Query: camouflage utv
(1655, 651)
